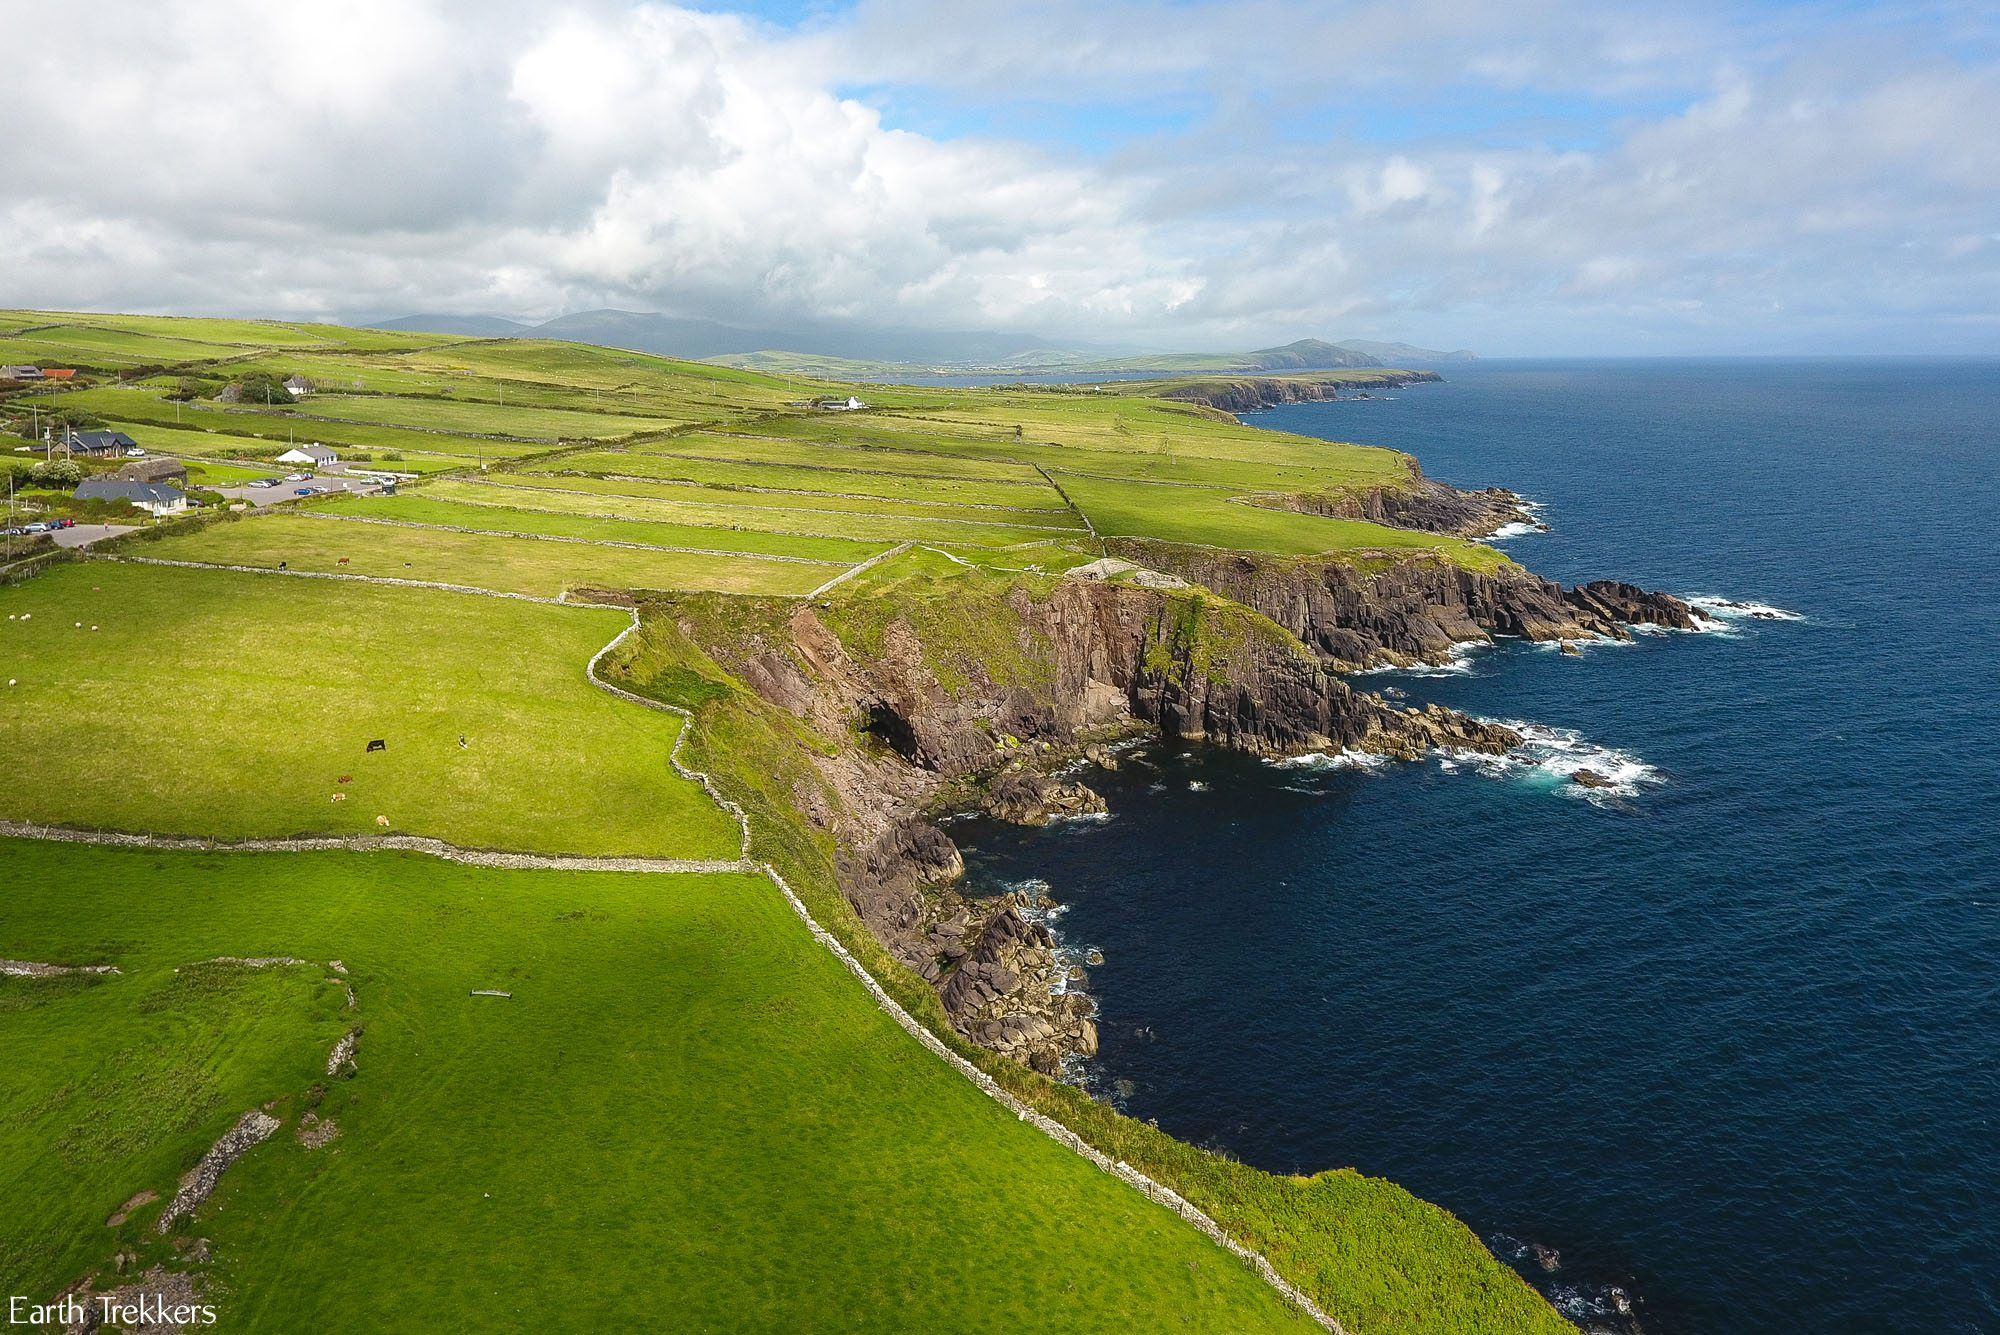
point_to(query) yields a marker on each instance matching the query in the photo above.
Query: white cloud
(1578, 172)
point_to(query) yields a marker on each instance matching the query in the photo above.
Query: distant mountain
(1401, 354)
(697, 339)
(472, 326)
(851, 351)
(1306, 354)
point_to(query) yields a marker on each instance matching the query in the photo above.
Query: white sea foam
(1726, 615)
(1197, 786)
(1519, 528)
(1079, 817)
(1332, 760)
(1458, 663)
(1552, 757)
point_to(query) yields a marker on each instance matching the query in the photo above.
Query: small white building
(298, 386)
(315, 454)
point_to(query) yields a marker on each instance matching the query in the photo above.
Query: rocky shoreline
(1248, 394)
(1093, 660)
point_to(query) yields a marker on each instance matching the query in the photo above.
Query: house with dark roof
(298, 386)
(96, 442)
(20, 373)
(155, 498)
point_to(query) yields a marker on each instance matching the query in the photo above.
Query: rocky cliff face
(1087, 659)
(1426, 506)
(1413, 610)
(1248, 394)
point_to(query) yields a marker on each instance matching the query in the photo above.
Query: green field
(228, 705)
(428, 506)
(1029, 493)
(686, 1114)
(447, 415)
(831, 516)
(498, 562)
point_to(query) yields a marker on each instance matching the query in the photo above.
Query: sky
(1542, 177)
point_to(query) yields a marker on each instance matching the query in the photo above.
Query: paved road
(84, 534)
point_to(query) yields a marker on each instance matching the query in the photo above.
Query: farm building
(153, 470)
(20, 373)
(315, 453)
(299, 386)
(156, 498)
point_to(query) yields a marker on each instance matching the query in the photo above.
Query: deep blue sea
(1729, 1040)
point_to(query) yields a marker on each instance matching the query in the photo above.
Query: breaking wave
(1728, 614)
(1332, 760)
(1554, 758)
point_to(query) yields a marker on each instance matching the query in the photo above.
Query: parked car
(13, 533)
(305, 491)
(295, 477)
(264, 482)
(39, 526)
(63, 523)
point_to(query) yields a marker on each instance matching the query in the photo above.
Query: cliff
(1249, 393)
(915, 698)
(1411, 610)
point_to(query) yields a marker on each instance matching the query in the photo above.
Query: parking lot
(291, 487)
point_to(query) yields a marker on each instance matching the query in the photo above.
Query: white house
(298, 386)
(315, 454)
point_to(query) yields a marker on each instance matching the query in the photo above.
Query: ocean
(1726, 1036)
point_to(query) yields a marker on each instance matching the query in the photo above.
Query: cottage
(94, 443)
(155, 498)
(58, 373)
(153, 470)
(315, 454)
(20, 373)
(298, 386)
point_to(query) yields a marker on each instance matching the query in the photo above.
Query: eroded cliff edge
(973, 688)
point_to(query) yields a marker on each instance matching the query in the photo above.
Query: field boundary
(560, 537)
(1154, 1190)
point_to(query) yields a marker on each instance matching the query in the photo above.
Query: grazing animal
(343, 560)
(378, 745)
(345, 778)
(381, 820)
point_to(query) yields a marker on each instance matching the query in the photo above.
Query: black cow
(378, 745)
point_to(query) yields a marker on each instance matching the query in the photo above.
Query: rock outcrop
(1245, 394)
(1415, 609)
(1425, 505)
(1094, 659)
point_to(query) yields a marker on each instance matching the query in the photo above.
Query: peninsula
(500, 852)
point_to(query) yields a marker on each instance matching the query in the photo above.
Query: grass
(687, 1116)
(500, 562)
(229, 705)
(1028, 493)
(827, 516)
(1209, 518)
(479, 510)
(108, 1085)
(1378, 1259)
(476, 419)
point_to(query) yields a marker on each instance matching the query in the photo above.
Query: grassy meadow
(687, 1116)
(230, 705)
